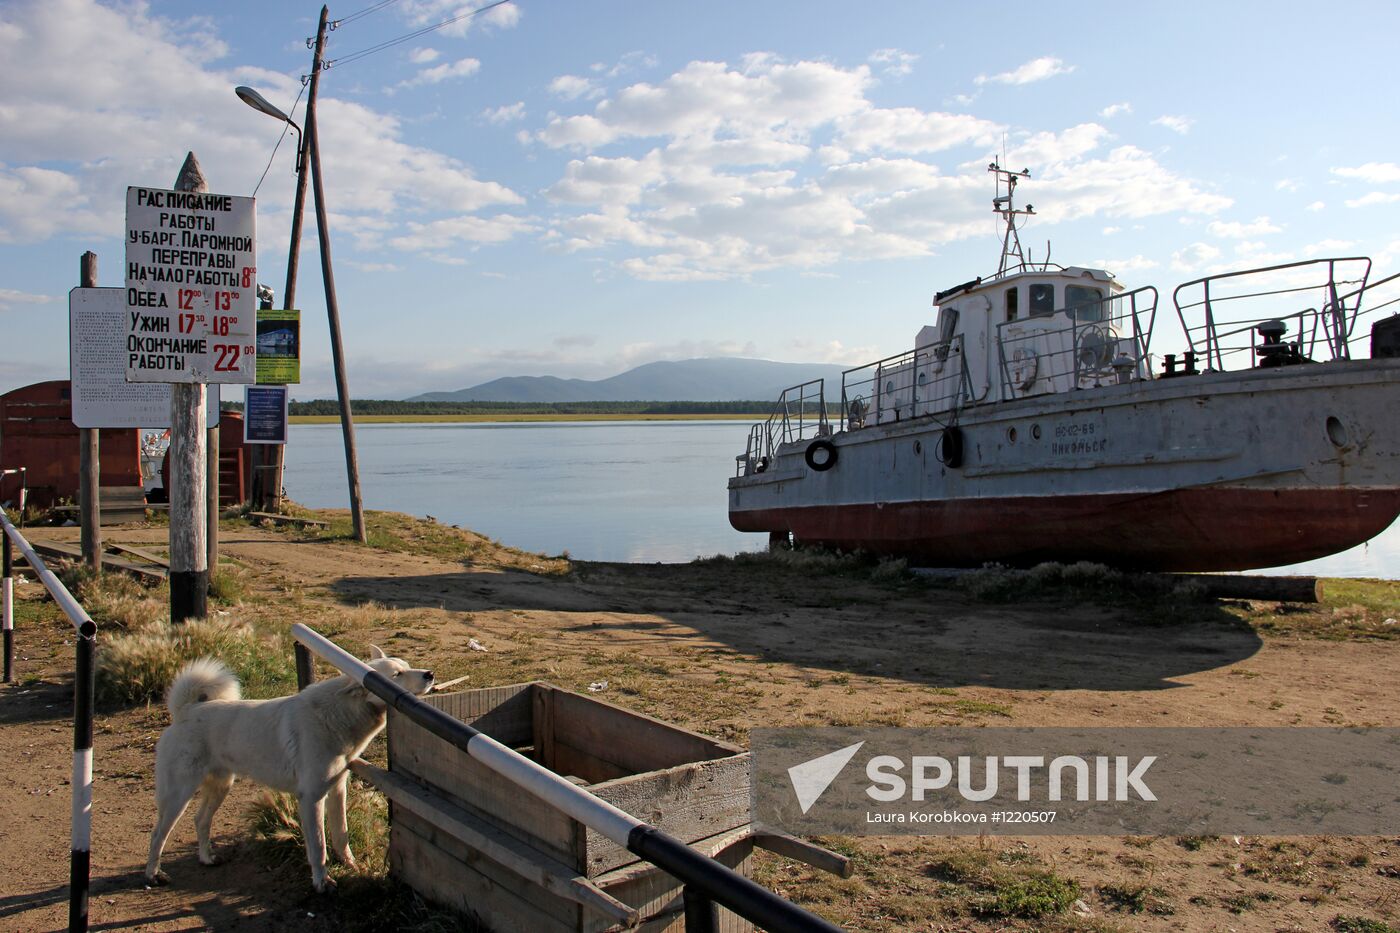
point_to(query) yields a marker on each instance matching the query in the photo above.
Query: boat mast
(1004, 205)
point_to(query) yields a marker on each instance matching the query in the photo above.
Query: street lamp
(255, 100)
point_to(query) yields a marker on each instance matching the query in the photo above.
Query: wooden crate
(467, 838)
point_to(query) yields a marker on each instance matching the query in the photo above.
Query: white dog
(301, 744)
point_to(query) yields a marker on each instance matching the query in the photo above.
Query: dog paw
(327, 886)
(159, 879)
(211, 861)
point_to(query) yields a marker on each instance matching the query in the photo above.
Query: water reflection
(623, 491)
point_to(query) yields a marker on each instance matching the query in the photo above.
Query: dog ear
(376, 652)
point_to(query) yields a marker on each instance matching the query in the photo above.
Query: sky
(575, 188)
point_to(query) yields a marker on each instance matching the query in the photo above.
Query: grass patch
(366, 899)
(815, 562)
(979, 708)
(1081, 581)
(1135, 898)
(138, 666)
(1350, 610)
(990, 885)
(1344, 923)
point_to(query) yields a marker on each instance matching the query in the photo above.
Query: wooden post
(89, 458)
(189, 555)
(212, 482)
(342, 385)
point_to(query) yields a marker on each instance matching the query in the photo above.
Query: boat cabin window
(1042, 299)
(1084, 303)
(1011, 294)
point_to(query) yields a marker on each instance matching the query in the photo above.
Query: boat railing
(1087, 345)
(928, 380)
(1221, 314)
(799, 414)
(1374, 300)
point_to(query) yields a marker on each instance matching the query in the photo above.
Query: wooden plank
(804, 851)
(290, 519)
(591, 769)
(542, 727)
(417, 753)
(72, 552)
(433, 872)
(657, 895)
(634, 741)
(141, 553)
(690, 802)
(530, 865)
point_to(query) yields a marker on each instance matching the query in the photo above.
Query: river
(602, 490)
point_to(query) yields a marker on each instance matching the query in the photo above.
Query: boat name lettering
(1069, 448)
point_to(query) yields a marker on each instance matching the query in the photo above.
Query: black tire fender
(829, 461)
(950, 447)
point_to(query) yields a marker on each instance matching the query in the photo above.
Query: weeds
(996, 583)
(816, 562)
(991, 887)
(1352, 924)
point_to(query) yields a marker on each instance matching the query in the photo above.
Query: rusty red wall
(37, 432)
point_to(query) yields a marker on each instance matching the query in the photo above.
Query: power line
(355, 56)
(285, 126)
(336, 24)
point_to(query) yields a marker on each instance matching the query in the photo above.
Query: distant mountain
(714, 379)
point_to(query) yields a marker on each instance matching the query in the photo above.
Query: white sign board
(191, 289)
(102, 398)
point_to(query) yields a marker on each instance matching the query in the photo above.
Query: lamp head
(255, 100)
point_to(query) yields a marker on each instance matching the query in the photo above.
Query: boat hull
(1224, 471)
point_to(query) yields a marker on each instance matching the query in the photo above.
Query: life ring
(950, 447)
(827, 462)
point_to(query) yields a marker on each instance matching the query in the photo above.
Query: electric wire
(336, 24)
(285, 127)
(355, 56)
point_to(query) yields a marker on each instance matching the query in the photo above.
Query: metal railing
(1101, 340)
(929, 380)
(1384, 295)
(800, 413)
(85, 649)
(706, 881)
(1234, 304)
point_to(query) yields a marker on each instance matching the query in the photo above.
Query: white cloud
(1286, 184)
(1037, 69)
(1316, 206)
(432, 12)
(1192, 258)
(11, 300)
(423, 56)
(1373, 198)
(1137, 263)
(373, 266)
(1328, 247)
(441, 234)
(1113, 110)
(1374, 173)
(832, 351)
(73, 138)
(462, 68)
(506, 113)
(572, 87)
(1236, 230)
(895, 62)
(1177, 124)
(627, 64)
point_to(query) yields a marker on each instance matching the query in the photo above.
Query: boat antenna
(1005, 205)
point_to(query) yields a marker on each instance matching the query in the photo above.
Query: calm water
(607, 490)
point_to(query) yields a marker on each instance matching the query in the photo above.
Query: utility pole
(89, 459)
(189, 556)
(342, 386)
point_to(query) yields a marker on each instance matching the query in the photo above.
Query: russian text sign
(265, 415)
(191, 289)
(102, 398)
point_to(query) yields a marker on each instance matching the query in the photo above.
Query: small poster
(279, 346)
(265, 415)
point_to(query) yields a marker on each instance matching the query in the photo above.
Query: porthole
(1337, 432)
(918, 447)
(889, 386)
(1011, 435)
(1035, 431)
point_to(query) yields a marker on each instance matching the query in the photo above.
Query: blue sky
(576, 188)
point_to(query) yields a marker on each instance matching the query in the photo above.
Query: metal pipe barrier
(704, 878)
(23, 474)
(85, 649)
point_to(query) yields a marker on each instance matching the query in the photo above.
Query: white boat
(1034, 421)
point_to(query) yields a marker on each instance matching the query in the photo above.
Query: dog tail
(199, 681)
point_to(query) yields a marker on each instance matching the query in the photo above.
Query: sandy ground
(723, 648)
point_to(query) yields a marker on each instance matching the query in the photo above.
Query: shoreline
(508, 417)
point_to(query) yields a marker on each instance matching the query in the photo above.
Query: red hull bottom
(1218, 528)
